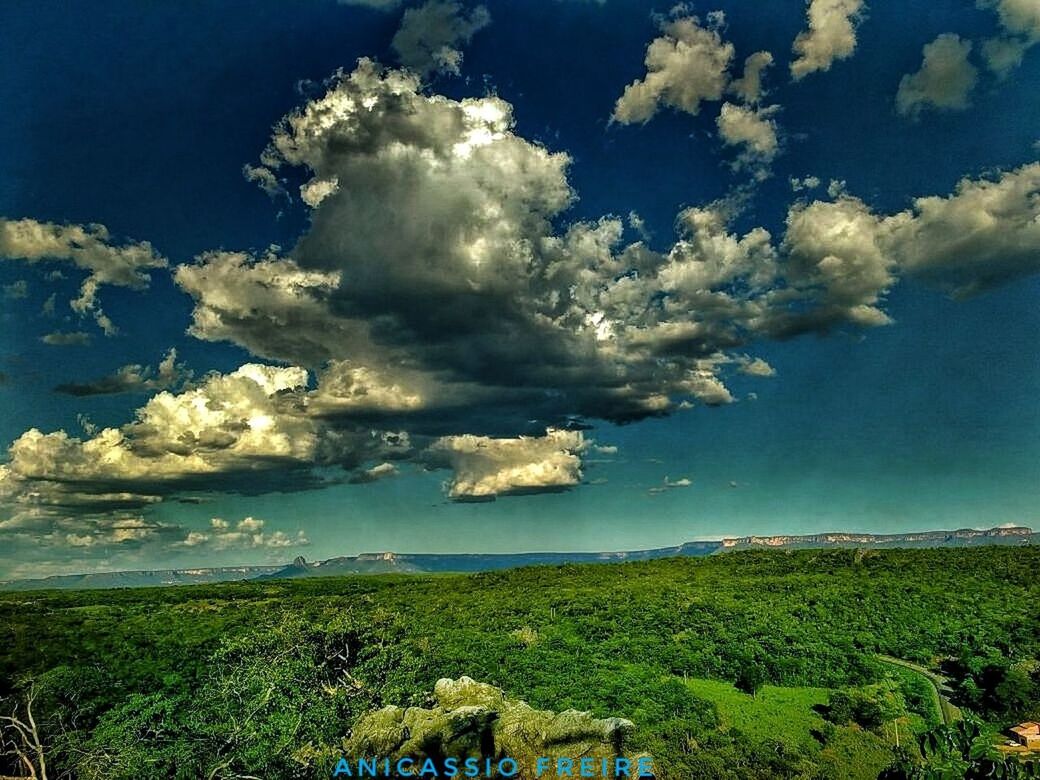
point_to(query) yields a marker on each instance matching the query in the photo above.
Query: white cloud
(945, 80)
(431, 35)
(687, 65)
(486, 467)
(756, 367)
(831, 35)
(705, 385)
(837, 188)
(347, 387)
(248, 533)
(638, 224)
(1003, 55)
(670, 484)
(380, 471)
(76, 338)
(754, 129)
(1017, 17)
(749, 86)
(232, 423)
(985, 233)
(805, 183)
(88, 247)
(220, 435)
(1020, 22)
(316, 190)
(709, 256)
(833, 248)
(263, 178)
(441, 274)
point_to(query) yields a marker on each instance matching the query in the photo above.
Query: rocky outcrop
(475, 720)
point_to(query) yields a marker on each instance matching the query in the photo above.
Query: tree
(750, 678)
(961, 750)
(20, 738)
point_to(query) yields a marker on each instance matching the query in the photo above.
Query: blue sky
(141, 118)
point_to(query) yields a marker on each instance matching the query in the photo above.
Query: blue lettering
(502, 767)
(472, 767)
(621, 768)
(564, 767)
(342, 768)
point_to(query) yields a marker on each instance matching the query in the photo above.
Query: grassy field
(783, 714)
(790, 715)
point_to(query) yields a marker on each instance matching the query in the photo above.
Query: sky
(336, 277)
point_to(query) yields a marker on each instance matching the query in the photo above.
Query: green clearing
(776, 713)
(787, 715)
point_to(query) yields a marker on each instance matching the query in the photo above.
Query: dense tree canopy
(265, 679)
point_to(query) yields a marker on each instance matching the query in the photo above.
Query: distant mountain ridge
(428, 563)
(142, 579)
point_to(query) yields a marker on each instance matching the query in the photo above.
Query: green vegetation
(786, 715)
(266, 679)
(921, 690)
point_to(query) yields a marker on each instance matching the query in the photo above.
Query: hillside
(755, 664)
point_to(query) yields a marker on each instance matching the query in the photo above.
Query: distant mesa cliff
(960, 538)
(419, 563)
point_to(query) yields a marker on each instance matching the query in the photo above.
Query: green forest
(758, 664)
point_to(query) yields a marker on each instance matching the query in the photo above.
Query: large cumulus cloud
(435, 264)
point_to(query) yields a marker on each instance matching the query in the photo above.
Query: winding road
(940, 685)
